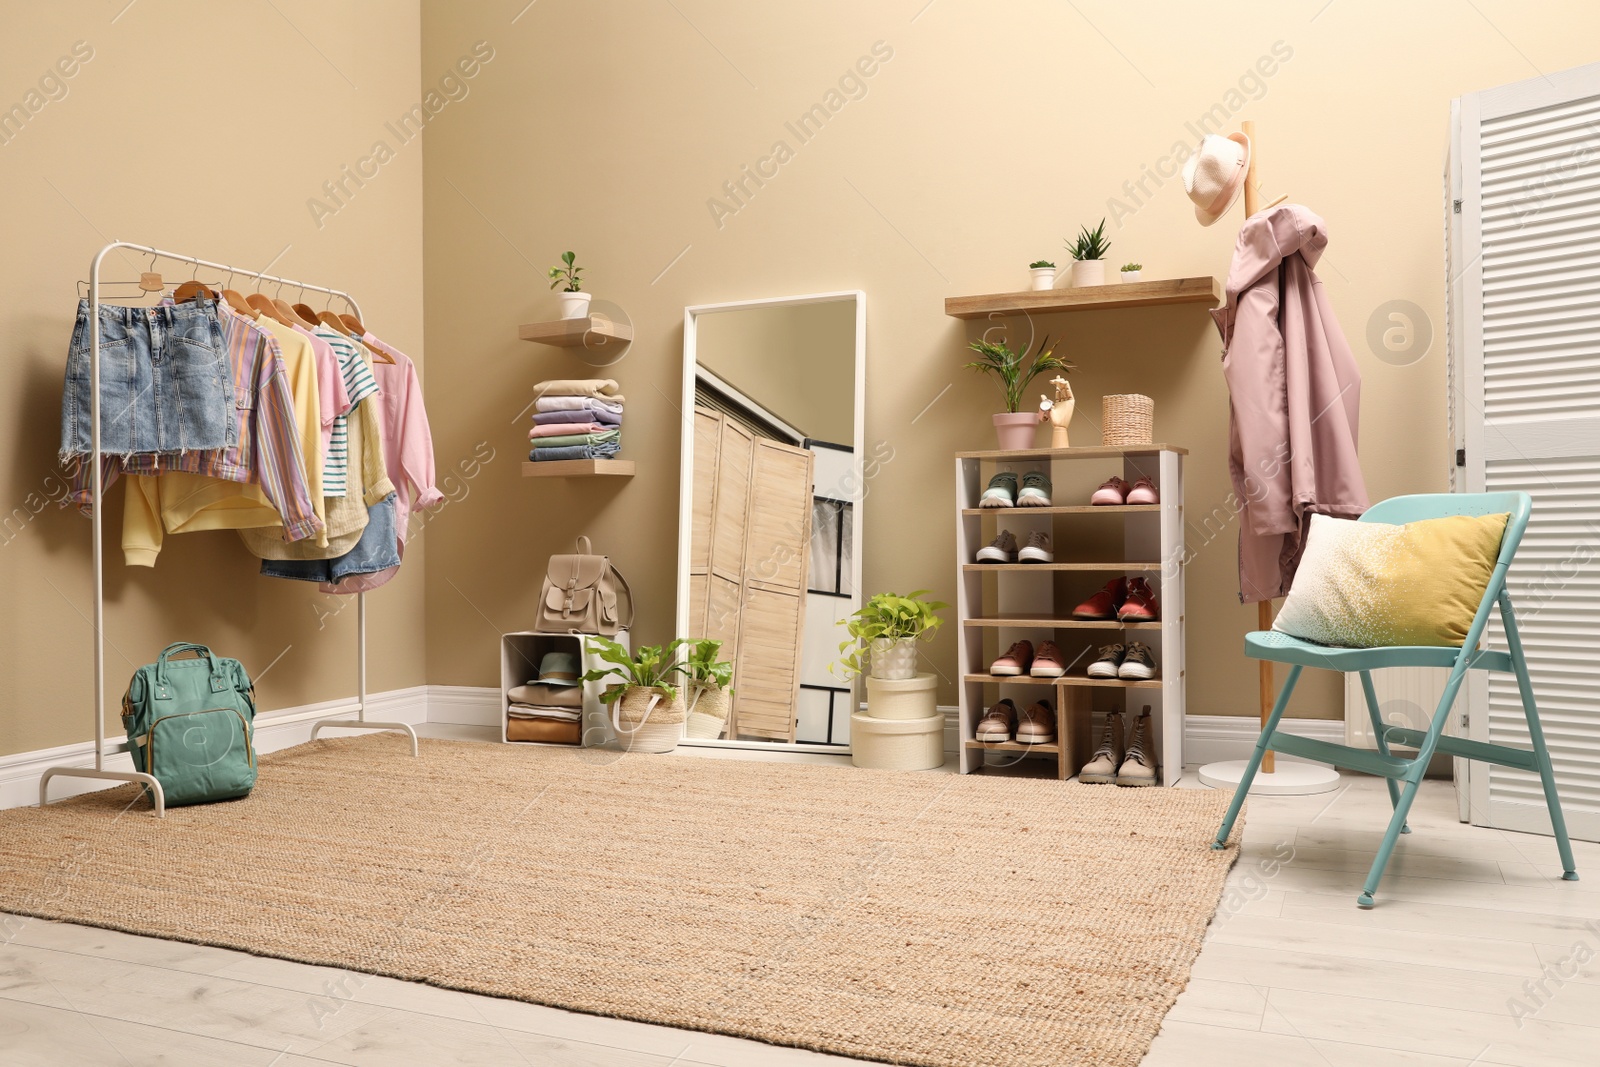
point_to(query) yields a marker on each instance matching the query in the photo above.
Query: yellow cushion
(1375, 584)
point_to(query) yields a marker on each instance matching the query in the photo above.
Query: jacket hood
(1265, 240)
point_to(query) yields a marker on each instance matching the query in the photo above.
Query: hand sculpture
(1058, 412)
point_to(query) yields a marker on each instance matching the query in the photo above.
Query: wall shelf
(1156, 293)
(1087, 452)
(578, 468)
(591, 331)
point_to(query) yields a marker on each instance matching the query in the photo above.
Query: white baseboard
(473, 712)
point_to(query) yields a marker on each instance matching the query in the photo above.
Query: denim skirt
(378, 550)
(165, 381)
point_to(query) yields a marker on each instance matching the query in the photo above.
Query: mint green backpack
(191, 724)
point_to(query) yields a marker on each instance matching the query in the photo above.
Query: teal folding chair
(1281, 648)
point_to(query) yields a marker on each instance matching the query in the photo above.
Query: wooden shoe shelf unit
(997, 604)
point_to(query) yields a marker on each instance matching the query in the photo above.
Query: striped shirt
(358, 384)
(268, 451)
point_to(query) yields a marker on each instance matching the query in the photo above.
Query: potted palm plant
(707, 680)
(1015, 428)
(574, 302)
(889, 626)
(1044, 274)
(647, 710)
(1089, 255)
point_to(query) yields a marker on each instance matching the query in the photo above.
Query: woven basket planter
(1127, 419)
(646, 724)
(707, 713)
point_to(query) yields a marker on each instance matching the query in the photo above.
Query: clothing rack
(97, 488)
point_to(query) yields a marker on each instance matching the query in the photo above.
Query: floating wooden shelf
(1074, 509)
(1107, 567)
(1023, 621)
(1206, 291)
(588, 332)
(1066, 679)
(1093, 452)
(578, 468)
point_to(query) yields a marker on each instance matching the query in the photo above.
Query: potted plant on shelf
(1089, 255)
(707, 680)
(647, 711)
(1013, 427)
(1044, 274)
(1130, 271)
(889, 626)
(574, 301)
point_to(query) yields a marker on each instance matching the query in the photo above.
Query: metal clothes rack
(359, 707)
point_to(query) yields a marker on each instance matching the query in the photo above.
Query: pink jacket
(1294, 397)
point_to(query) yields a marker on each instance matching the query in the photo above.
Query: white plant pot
(892, 659)
(1088, 272)
(1131, 275)
(1043, 277)
(574, 305)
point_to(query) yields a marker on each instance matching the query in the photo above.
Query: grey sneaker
(1003, 549)
(1035, 490)
(1102, 766)
(1137, 766)
(1037, 550)
(1002, 491)
(1108, 662)
(1139, 663)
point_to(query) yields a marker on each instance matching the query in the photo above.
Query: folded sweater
(604, 388)
(607, 437)
(601, 451)
(578, 403)
(601, 415)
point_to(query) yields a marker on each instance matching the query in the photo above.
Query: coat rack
(97, 489)
(1293, 778)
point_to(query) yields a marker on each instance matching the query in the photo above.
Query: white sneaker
(1037, 550)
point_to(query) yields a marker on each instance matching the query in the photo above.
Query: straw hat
(1214, 176)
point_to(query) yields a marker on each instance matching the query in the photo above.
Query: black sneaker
(1138, 663)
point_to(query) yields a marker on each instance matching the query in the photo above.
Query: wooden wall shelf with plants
(587, 332)
(1140, 294)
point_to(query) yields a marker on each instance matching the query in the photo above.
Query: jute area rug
(912, 918)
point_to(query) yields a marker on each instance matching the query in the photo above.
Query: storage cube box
(520, 654)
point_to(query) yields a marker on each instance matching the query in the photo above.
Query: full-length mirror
(770, 509)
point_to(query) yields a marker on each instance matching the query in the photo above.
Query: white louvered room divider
(1525, 346)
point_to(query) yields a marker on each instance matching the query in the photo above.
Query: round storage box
(903, 698)
(897, 744)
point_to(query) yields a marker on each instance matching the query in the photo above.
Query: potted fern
(707, 680)
(1015, 428)
(1089, 255)
(574, 301)
(647, 710)
(889, 626)
(1044, 274)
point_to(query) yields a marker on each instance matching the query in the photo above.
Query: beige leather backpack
(584, 594)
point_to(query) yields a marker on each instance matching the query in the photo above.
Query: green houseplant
(1088, 255)
(889, 625)
(1044, 274)
(708, 681)
(647, 710)
(1015, 372)
(574, 301)
(1130, 271)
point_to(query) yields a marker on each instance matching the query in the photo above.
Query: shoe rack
(999, 603)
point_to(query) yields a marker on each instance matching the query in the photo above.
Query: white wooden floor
(1445, 972)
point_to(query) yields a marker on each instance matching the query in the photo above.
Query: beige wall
(201, 128)
(799, 362)
(992, 132)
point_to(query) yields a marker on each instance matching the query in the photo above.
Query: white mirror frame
(686, 478)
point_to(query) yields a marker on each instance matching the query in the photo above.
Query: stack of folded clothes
(576, 418)
(550, 707)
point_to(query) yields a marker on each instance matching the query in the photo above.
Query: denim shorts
(378, 550)
(165, 381)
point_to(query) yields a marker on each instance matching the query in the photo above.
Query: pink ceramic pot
(1016, 429)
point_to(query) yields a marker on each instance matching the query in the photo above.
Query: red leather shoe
(1140, 605)
(1104, 604)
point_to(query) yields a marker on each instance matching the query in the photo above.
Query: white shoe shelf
(997, 604)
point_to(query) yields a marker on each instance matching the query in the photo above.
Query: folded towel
(547, 696)
(558, 429)
(528, 711)
(578, 403)
(562, 441)
(600, 415)
(547, 455)
(603, 388)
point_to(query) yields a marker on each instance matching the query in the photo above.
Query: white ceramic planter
(1131, 275)
(893, 659)
(1088, 272)
(1043, 277)
(1016, 429)
(574, 305)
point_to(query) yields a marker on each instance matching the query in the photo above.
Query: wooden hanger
(191, 289)
(331, 321)
(310, 314)
(360, 332)
(293, 317)
(266, 307)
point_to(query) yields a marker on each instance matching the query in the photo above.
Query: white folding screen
(1524, 325)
